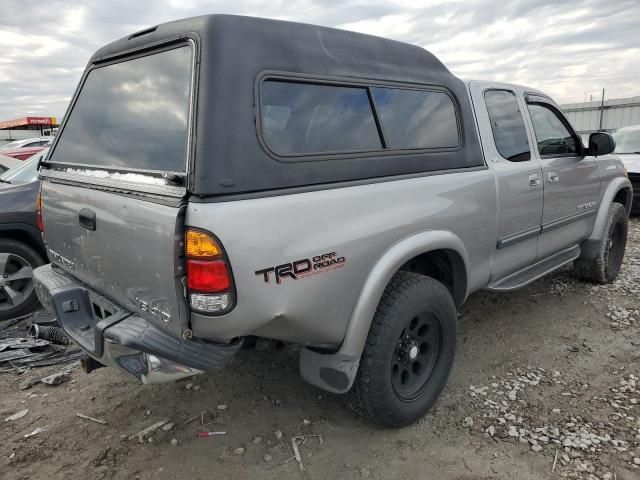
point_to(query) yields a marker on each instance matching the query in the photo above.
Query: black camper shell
(233, 58)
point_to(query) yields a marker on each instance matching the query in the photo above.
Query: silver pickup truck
(222, 178)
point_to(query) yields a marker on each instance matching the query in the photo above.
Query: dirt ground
(544, 386)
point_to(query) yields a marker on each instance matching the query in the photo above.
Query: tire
(604, 268)
(414, 324)
(17, 295)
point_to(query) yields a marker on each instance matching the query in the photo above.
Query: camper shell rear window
(132, 114)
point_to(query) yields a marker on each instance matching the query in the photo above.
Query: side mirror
(601, 143)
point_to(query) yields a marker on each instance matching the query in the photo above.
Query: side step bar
(535, 271)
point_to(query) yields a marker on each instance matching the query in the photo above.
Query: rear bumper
(114, 336)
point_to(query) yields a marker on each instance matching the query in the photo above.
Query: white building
(588, 117)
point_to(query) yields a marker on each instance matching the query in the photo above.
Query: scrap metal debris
(35, 432)
(54, 379)
(87, 417)
(17, 416)
(296, 453)
(50, 333)
(18, 350)
(6, 325)
(63, 356)
(141, 435)
(301, 440)
(15, 354)
(57, 378)
(209, 434)
(12, 343)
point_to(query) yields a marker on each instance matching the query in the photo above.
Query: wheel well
(624, 197)
(446, 266)
(26, 238)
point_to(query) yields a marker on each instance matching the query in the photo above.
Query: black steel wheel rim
(16, 280)
(614, 257)
(417, 356)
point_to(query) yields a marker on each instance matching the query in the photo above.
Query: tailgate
(126, 248)
(115, 182)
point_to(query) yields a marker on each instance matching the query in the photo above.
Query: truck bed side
(357, 224)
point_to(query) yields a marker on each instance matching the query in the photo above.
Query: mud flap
(332, 372)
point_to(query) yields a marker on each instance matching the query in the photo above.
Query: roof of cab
(235, 52)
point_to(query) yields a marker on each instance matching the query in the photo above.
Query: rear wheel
(604, 268)
(17, 295)
(409, 352)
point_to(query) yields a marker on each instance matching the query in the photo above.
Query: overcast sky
(567, 48)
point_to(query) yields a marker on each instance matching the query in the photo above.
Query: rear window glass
(507, 124)
(132, 114)
(416, 118)
(305, 118)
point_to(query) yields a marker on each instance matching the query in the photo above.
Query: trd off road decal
(303, 268)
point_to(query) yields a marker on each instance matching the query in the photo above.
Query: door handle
(87, 218)
(534, 180)
(553, 177)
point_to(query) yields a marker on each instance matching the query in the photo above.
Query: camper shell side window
(311, 119)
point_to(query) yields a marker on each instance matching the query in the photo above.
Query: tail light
(40, 222)
(209, 278)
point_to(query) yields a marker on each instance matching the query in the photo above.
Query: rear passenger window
(507, 124)
(305, 118)
(416, 118)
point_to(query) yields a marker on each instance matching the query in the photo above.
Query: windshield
(25, 173)
(133, 114)
(627, 141)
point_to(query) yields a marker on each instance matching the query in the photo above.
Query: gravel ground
(546, 384)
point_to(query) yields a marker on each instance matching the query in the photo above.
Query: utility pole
(601, 111)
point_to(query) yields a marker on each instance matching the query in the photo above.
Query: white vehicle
(628, 148)
(7, 163)
(28, 142)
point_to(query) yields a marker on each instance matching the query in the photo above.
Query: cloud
(567, 48)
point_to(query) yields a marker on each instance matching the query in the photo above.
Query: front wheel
(604, 268)
(408, 354)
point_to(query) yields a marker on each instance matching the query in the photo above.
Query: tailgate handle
(87, 218)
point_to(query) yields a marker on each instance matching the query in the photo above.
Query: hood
(631, 161)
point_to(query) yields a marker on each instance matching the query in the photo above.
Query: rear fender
(336, 372)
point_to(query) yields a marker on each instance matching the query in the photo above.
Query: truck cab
(549, 185)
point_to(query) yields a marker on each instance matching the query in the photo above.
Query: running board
(535, 271)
